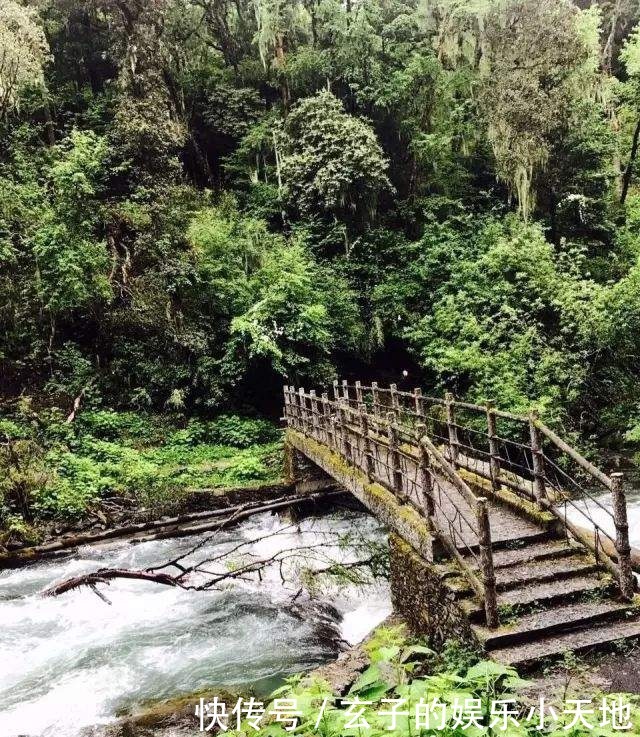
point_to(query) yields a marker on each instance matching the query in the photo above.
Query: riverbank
(112, 469)
(271, 498)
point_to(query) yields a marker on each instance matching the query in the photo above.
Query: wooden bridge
(500, 531)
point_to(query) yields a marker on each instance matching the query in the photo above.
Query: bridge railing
(520, 455)
(404, 460)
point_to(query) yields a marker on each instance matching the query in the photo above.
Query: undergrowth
(444, 689)
(53, 469)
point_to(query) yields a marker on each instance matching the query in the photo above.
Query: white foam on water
(73, 661)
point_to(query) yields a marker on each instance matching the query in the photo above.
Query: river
(602, 518)
(74, 661)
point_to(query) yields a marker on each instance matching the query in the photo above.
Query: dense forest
(203, 199)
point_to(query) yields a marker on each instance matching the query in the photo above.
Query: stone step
(553, 592)
(527, 538)
(544, 594)
(539, 571)
(553, 621)
(527, 573)
(598, 637)
(539, 551)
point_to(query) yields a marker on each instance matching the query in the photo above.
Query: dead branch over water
(240, 563)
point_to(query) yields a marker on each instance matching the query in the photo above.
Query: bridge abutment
(422, 599)
(306, 476)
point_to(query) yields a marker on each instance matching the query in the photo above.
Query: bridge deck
(452, 509)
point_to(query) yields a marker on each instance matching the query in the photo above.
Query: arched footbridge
(500, 531)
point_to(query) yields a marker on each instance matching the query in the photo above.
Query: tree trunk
(626, 179)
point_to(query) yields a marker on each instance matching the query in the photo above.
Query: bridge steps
(553, 598)
(515, 560)
(540, 551)
(579, 640)
(554, 621)
(543, 571)
(515, 576)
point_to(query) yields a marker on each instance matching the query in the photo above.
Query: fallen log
(164, 528)
(156, 575)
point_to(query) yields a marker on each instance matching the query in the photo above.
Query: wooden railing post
(344, 431)
(302, 404)
(335, 433)
(286, 412)
(539, 488)
(393, 391)
(295, 412)
(314, 414)
(359, 395)
(326, 420)
(494, 446)
(419, 402)
(486, 561)
(345, 392)
(366, 443)
(375, 398)
(336, 390)
(623, 549)
(452, 428)
(394, 449)
(424, 472)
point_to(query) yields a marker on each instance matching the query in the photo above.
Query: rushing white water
(73, 661)
(600, 513)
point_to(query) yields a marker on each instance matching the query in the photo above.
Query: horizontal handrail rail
(573, 453)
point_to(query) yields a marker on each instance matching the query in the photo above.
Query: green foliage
(196, 205)
(404, 671)
(63, 471)
(332, 162)
(129, 427)
(228, 430)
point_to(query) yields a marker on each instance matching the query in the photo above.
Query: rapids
(75, 661)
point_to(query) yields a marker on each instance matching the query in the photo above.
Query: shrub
(11, 430)
(241, 432)
(231, 430)
(107, 424)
